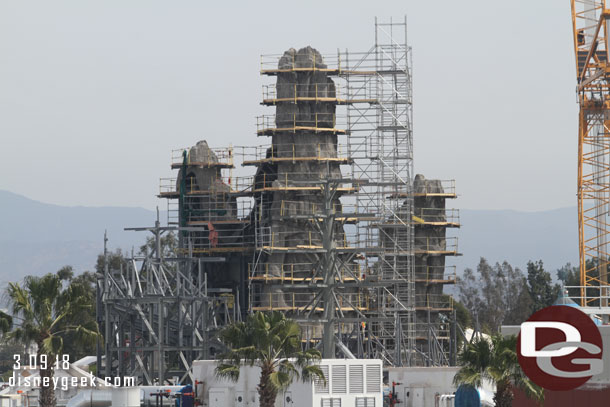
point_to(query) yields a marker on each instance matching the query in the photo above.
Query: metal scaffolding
(375, 246)
(409, 226)
(330, 229)
(159, 315)
(590, 28)
(380, 145)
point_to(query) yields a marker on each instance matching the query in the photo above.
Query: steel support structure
(590, 25)
(158, 314)
(330, 232)
(376, 256)
(380, 144)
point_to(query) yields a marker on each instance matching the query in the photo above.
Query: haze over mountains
(517, 237)
(37, 237)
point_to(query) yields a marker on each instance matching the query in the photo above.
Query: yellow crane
(590, 23)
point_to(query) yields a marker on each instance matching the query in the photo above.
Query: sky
(94, 95)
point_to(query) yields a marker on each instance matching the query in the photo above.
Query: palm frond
(280, 380)
(469, 376)
(228, 371)
(311, 372)
(286, 366)
(494, 359)
(271, 341)
(6, 322)
(52, 345)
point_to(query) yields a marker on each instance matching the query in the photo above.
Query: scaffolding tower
(373, 148)
(380, 144)
(591, 49)
(333, 228)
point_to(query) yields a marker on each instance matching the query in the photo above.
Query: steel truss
(365, 272)
(158, 315)
(345, 192)
(590, 23)
(380, 144)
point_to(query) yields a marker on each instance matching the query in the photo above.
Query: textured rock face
(431, 209)
(429, 239)
(201, 153)
(305, 139)
(206, 198)
(305, 114)
(201, 173)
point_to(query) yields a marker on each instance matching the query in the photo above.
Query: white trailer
(349, 383)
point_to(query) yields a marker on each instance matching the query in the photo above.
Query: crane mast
(589, 20)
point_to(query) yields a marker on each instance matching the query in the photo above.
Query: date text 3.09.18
(59, 362)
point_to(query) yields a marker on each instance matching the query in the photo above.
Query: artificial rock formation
(430, 244)
(206, 196)
(304, 132)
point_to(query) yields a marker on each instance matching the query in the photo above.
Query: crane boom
(589, 20)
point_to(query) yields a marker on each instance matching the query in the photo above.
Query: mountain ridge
(36, 237)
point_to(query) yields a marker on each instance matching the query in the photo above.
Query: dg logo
(560, 348)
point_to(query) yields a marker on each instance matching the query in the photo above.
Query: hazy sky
(94, 95)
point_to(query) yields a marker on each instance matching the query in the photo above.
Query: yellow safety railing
(299, 302)
(295, 152)
(295, 181)
(213, 210)
(297, 121)
(303, 61)
(296, 239)
(295, 92)
(447, 187)
(436, 215)
(288, 208)
(222, 156)
(434, 301)
(212, 184)
(297, 272)
(442, 245)
(430, 274)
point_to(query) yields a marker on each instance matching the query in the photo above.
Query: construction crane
(590, 23)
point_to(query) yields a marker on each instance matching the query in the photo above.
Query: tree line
(57, 311)
(500, 294)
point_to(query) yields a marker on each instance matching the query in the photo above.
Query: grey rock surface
(431, 239)
(305, 142)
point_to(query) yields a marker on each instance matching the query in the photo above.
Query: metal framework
(162, 310)
(376, 212)
(327, 230)
(303, 261)
(159, 315)
(400, 239)
(380, 144)
(590, 25)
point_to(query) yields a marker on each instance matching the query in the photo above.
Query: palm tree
(6, 322)
(495, 359)
(273, 343)
(47, 311)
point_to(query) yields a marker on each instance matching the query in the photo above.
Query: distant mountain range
(36, 237)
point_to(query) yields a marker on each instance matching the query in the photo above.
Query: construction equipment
(590, 23)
